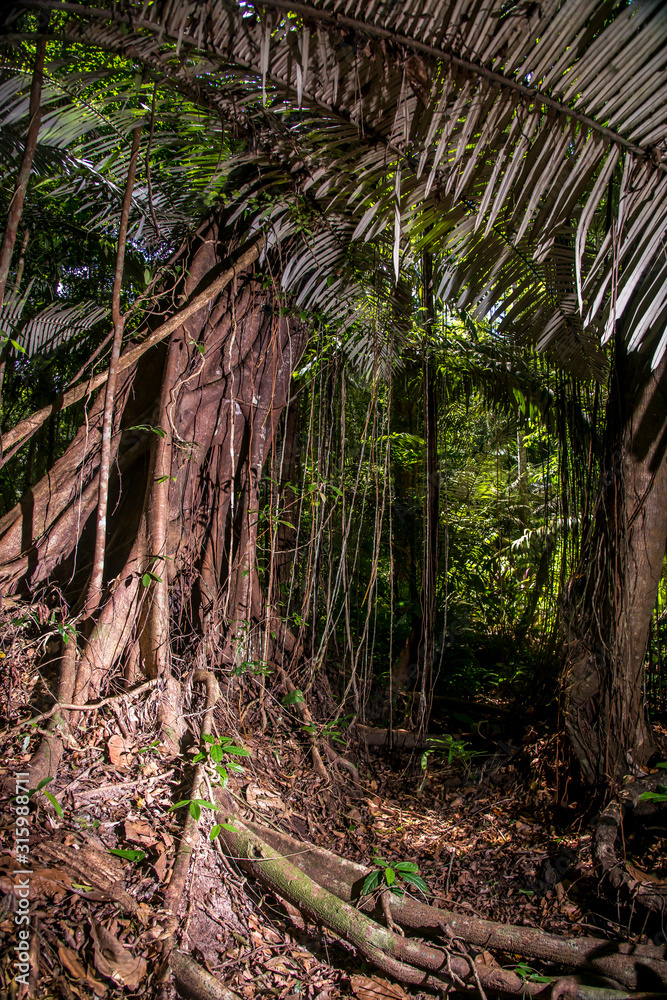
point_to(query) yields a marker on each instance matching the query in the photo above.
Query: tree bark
(611, 599)
(193, 425)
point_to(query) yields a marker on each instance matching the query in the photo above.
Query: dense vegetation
(332, 379)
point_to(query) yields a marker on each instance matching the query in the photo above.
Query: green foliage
(528, 973)
(448, 750)
(214, 752)
(660, 795)
(388, 876)
(295, 697)
(129, 854)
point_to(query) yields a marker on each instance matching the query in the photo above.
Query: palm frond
(528, 139)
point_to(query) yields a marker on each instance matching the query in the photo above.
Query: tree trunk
(193, 425)
(611, 599)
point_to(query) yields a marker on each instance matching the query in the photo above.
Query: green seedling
(386, 876)
(526, 972)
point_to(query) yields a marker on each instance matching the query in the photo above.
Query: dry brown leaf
(277, 964)
(72, 963)
(113, 960)
(487, 959)
(263, 798)
(140, 832)
(160, 865)
(117, 751)
(641, 876)
(70, 960)
(375, 988)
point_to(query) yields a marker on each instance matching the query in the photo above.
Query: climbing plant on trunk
(612, 596)
(194, 421)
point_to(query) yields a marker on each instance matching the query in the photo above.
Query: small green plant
(660, 795)
(448, 749)
(213, 753)
(214, 750)
(330, 730)
(195, 806)
(64, 629)
(526, 972)
(295, 697)
(257, 667)
(52, 799)
(386, 876)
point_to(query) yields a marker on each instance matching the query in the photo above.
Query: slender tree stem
(95, 587)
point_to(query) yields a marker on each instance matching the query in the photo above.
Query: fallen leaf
(117, 751)
(487, 959)
(115, 961)
(277, 964)
(375, 988)
(140, 832)
(70, 960)
(72, 964)
(160, 865)
(263, 798)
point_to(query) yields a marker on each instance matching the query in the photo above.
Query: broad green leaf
(293, 697)
(371, 882)
(54, 802)
(128, 853)
(417, 881)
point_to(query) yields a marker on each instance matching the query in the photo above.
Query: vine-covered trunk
(613, 596)
(193, 424)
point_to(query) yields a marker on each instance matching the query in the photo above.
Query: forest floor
(492, 832)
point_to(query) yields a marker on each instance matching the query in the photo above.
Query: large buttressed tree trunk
(612, 598)
(194, 423)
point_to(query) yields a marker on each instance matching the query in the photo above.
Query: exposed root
(190, 835)
(569, 989)
(195, 981)
(630, 965)
(651, 893)
(307, 719)
(46, 760)
(405, 959)
(91, 707)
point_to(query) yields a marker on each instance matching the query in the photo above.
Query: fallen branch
(630, 965)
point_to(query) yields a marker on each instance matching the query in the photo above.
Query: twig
(90, 707)
(449, 871)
